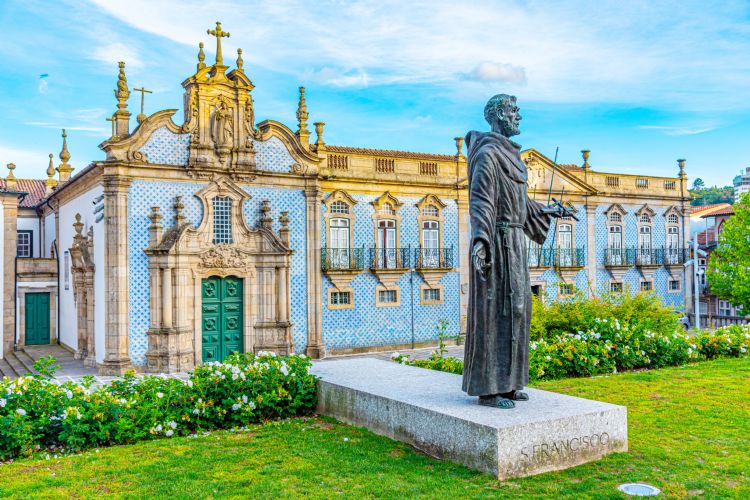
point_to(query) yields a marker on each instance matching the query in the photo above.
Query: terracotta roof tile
(722, 211)
(700, 208)
(36, 189)
(389, 153)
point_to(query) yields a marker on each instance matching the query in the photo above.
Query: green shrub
(37, 412)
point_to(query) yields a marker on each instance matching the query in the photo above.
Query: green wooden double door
(37, 318)
(222, 319)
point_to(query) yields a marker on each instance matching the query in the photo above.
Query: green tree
(729, 266)
(698, 184)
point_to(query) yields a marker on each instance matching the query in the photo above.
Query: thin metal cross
(143, 92)
(218, 34)
(112, 119)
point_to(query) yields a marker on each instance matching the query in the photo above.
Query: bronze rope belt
(503, 227)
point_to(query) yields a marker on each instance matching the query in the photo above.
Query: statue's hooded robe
(496, 357)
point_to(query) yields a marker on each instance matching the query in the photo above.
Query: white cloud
(112, 53)
(674, 53)
(29, 162)
(489, 72)
(678, 130)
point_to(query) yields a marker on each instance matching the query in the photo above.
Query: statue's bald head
(502, 113)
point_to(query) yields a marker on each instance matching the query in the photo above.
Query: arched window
(387, 209)
(645, 218)
(672, 219)
(615, 217)
(431, 211)
(339, 207)
(222, 206)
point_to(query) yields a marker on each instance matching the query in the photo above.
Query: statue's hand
(480, 260)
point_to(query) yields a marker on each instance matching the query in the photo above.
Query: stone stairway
(16, 364)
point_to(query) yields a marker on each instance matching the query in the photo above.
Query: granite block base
(428, 410)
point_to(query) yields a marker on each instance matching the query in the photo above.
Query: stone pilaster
(591, 250)
(315, 348)
(116, 324)
(10, 215)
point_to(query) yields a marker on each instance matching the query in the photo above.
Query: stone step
(15, 364)
(6, 370)
(26, 360)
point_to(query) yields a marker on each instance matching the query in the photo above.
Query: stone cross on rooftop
(218, 33)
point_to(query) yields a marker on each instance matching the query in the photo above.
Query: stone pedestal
(428, 410)
(170, 350)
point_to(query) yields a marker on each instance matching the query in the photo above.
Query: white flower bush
(38, 412)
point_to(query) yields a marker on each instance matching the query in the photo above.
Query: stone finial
(64, 169)
(201, 57)
(51, 182)
(240, 62)
(302, 133)
(284, 232)
(155, 229)
(179, 217)
(585, 153)
(78, 227)
(319, 127)
(122, 115)
(266, 220)
(459, 147)
(681, 164)
(10, 181)
(90, 239)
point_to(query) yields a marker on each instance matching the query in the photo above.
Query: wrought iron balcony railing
(343, 259)
(556, 257)
(433, 258)
(390, 258)
(645, 256)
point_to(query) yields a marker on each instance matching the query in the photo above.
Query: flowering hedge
(38, 412)
(609, 347)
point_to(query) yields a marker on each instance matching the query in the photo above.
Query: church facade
(191, 241)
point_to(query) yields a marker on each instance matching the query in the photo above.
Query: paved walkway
(21, 362)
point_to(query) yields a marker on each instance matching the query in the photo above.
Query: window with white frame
(615, 286)
(614, 244)
(339, 244)
(644, 243)
(645, 218)
(615, 217)
(673, 244)
(387, 209)
(672, 219)
(431, 211)
(565, 244)
(387, 252)
(431, 295)
(341, 298)
(725, 308)
(339, 207)
(431, 243)
(566, 289)
(387, 296)
(222, 206)
(647, 286)
(674, 285)
(24, 244)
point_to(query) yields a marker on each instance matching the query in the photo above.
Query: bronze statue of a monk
(496, 356)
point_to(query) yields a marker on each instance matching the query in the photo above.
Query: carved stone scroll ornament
(222, 257)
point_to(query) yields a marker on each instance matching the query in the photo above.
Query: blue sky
(639, 83)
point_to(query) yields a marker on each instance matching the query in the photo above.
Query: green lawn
(689, 435)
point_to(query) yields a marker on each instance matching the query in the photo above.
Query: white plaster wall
(49, 235)
(30, 224)
(2, 274)
(68, 321)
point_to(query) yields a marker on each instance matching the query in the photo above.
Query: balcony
(433, 258)
(390, 259)
(644, 257)
(343, 259)
(563, 258)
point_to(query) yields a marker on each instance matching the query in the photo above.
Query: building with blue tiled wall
(217, 235)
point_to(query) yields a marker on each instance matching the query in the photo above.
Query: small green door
(222, 317)
(37, 318)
